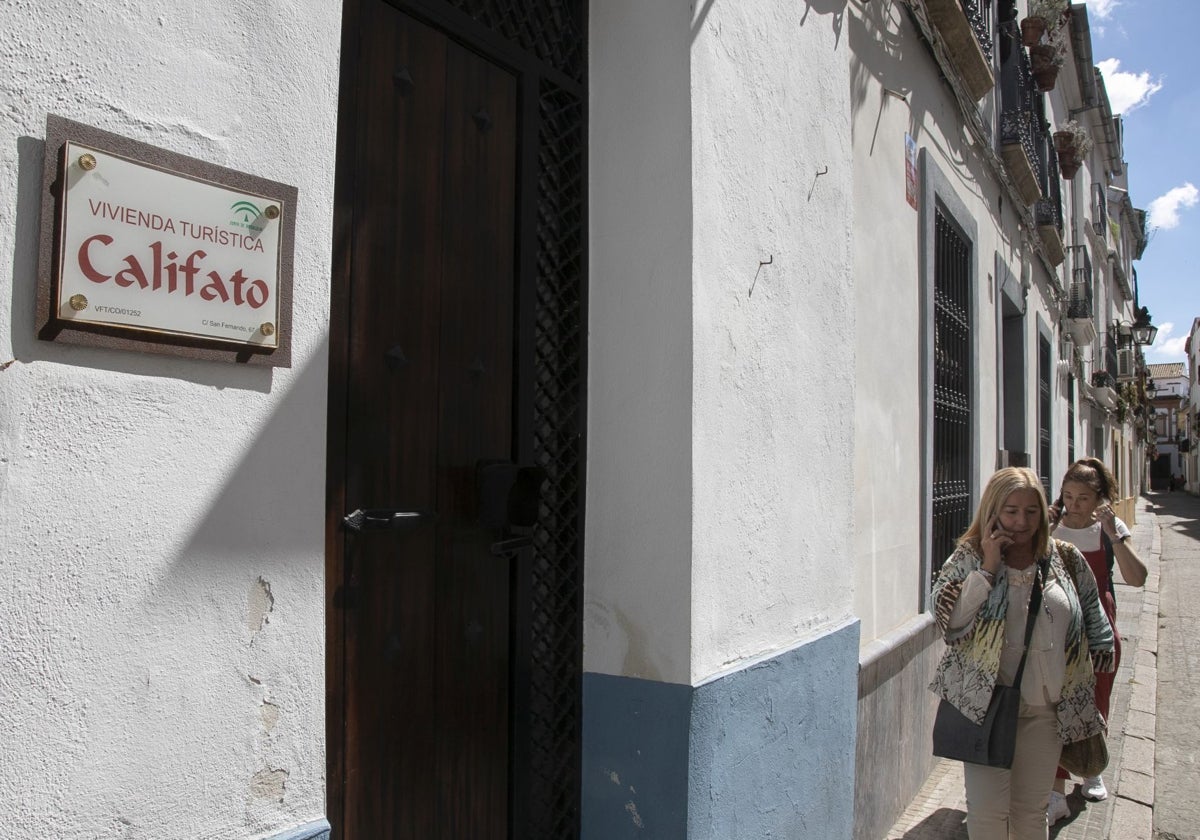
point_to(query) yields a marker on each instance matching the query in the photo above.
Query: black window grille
(951, 389)
(1099, 210)
(1111, 343)
(1045, 370)
(1071, 419)
(1081, 303)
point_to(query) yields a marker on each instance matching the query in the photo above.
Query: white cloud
(1165, 348)
(1127, 91)
(1164, 210)
(1102, 8)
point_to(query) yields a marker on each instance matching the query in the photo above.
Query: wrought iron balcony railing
(979, 15)
(1017, 93)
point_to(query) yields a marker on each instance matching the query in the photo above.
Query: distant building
(1191, 423)
(1170, 400)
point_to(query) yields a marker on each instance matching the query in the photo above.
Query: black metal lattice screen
(1045, 374)
(1070, 419)
(552, 30)
(557, 570)
(951, 389)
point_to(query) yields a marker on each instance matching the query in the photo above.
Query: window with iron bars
(952, 417)
(1082, 294)
(1045, 374)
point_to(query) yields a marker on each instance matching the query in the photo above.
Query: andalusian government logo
(246, 214)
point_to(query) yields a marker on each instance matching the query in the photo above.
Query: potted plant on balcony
(1043, 15)
(1103, 379)
(1046, 59)
(1072, 144)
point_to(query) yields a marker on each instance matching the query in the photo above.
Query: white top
(1088, 539)
(1045, 667)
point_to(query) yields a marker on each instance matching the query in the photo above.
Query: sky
(1148, 54)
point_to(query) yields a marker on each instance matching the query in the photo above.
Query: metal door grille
(550, 29)
(1044, 368)
(1070, 420)
(557, 585)
(951, 389)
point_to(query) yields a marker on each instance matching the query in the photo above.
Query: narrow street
(1177, 776)
(1154, 773)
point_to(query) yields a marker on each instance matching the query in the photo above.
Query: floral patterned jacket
(967, 673)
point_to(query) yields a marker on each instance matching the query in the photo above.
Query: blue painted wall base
(316, 830)
(767, 751)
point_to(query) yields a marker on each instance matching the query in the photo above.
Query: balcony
(1047, 211)
(1104, 388)
(1018, 126)
(1048, 216)
(1081, 317)
(965, 28)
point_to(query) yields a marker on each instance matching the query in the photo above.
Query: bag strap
(1110, 555)
(1035, 603)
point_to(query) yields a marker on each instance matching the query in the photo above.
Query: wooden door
(429, 394)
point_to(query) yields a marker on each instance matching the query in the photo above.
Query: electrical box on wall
(146, 249)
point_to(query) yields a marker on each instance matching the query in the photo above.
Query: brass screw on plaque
(77, 302)
(267, 329)
(87, 162)
(272, 212)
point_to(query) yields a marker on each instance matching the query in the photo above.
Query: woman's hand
(993, 545)
(1107, 519)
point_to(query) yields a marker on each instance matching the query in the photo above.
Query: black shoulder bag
(994, 741)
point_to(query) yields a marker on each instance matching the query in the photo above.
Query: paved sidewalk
(939, 811)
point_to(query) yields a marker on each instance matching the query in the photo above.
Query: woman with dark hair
(982, 599)
(1083, 516)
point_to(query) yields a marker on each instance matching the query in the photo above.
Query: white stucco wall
(161, 520)
(639, 471)
(773, 435)
(887, 421)
(719, 437)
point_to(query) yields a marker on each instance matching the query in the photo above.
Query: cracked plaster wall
(161, 520)
(720, 433)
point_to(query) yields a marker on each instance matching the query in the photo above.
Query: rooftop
(1167, 370)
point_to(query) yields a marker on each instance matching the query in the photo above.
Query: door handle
(385, 519)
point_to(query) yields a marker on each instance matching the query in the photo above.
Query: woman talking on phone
(1008, 581)
(1083, 516)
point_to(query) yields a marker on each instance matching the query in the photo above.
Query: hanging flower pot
(1068, 165)
(1032, 29)
(1044, 62)
(1072, 144)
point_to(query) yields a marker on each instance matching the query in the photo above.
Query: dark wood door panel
(476, 409)
(429, 394)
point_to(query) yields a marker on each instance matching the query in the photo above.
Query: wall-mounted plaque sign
(146, 249)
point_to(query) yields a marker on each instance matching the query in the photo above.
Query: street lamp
(1144, 332)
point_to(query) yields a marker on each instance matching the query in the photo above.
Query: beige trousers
(1011, 804)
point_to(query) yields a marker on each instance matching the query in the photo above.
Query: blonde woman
(981, 602)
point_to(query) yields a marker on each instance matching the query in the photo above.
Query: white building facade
(548, 262)
(553, 525)
(993, 250)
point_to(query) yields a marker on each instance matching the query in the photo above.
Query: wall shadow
(892, 67)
